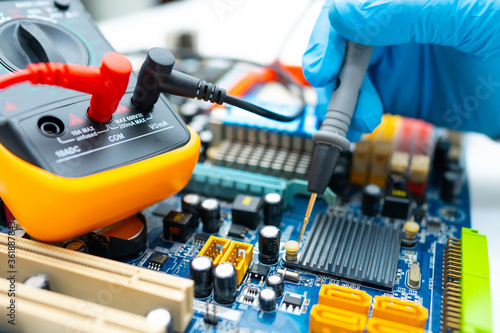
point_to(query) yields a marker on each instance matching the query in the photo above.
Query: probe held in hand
(331, 139)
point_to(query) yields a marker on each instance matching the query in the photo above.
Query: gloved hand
(438, 60)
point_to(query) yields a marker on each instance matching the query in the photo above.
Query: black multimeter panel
(48, 126)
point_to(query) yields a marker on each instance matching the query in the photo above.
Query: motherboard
(388, 248)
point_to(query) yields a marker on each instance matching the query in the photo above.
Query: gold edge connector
(451, 313)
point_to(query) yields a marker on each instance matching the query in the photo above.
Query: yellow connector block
(215, 248)
(397, 310)
(360, 163)
(240, 255)
(345, 298)
(419, 169)
(377, 325)
(399, 163)
(381, 153)
(326, 319)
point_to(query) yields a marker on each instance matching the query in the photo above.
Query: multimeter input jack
(51, 126)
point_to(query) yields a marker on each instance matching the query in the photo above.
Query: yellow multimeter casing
(52, 208)
(88, 175)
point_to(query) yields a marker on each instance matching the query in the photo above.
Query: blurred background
(101, 10)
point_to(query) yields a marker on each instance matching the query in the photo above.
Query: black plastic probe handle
(157, 76)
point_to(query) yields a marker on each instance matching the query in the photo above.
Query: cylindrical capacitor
(272, 209)
(40, 281)
(200, 271)
(451, 185)
(288, 275)
(159, 318)
(269, 244)
(225, 283)
(191, 204)
(370, 200)
(441, 150)
(206, 138)
(188, 110)
(210, 215)
(267, 299)
(275, 282)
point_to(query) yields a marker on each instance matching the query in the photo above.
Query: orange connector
(345, 298)
(397, 310)
(215, 248)
(326, 319)
(240, 255)
(377, 325)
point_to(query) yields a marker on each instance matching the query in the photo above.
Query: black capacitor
(210, 215)
(451, 185)
(272, 209)
(206, 138)
(188, 110)
(276, 282)
(191, 204)
(161, 318)
(441, 150)
(267, 299)
(269, 244)
(40, 281)
(200, 271)
(225, 283)
(370, 200)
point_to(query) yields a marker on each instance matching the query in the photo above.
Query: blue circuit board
(442, 220)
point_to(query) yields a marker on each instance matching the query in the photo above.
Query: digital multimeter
(63, 174)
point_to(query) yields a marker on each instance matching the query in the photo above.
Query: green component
(476, 294)
(226, 183)
(221, 182)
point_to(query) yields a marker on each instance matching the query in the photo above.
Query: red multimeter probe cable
(107, 84)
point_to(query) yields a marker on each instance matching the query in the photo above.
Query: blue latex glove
(438, 60)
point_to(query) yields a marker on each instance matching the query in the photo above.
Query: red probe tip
(114, 76)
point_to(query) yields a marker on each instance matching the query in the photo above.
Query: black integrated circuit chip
(397, 205)
(252, 291)
(259, 271)
(292, 300)
(157, 261)
(237, 231)
(418, 214)
(200, 239)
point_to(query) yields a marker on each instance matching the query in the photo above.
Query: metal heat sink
(351, 248)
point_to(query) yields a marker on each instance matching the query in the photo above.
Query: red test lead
(106, 83)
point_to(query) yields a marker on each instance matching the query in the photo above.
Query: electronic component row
(343, 309)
